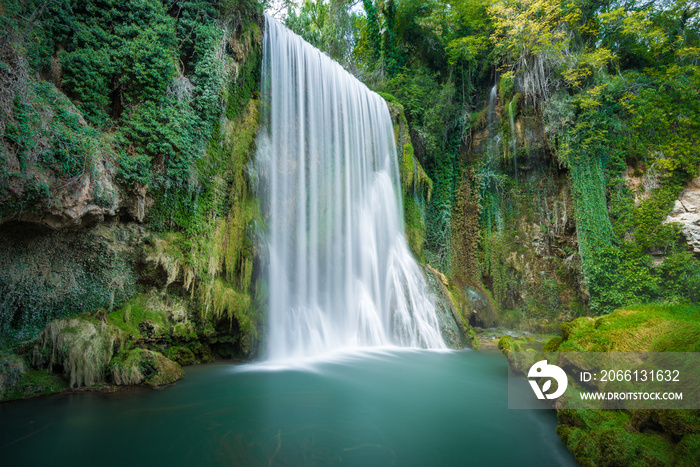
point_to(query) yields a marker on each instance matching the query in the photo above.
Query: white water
(340, 274)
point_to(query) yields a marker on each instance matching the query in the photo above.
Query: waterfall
(340, 272)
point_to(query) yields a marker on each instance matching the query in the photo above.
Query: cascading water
(513, 137)
(340, 273)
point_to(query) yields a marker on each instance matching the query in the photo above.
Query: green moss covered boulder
(144, 367)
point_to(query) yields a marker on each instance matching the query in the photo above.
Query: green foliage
(431, 110)
(50, 145)
(598, 134)
(438, 240)
(155, 69)
(665, 114)
(371, 30)
(210, 252)
(465, 231)
(147, 60)
(327, 26)
(56, 275)
(21, 134)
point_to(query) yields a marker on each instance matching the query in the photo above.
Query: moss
(647, 328)
(508, 345)
(688, 451)
(552, 344)
(185, 331)
(82, 347)
(12, 374)
(388, 97)
(51, 275)
(415, 226)
(605, 437)
(635, 437)
(131, 318)
(181, 355)
(39, 383)
(476, 343)
(141, 366)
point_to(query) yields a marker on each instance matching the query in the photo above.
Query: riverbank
(628, 437)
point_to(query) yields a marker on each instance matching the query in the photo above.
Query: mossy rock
(181, 355)
(167, 371)
(647, 328)
(144, 367)
(576, 326)
(634, 437)
(552, 345)
(688, 451)
(81, 347)
(12, 374)
(508, 345)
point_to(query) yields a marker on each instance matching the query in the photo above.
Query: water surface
(392, 407)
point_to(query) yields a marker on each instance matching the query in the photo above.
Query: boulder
(141, 366)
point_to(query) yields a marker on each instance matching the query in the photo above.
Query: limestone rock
(686, 211)
(89, 199)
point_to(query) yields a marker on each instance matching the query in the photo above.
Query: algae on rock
(141, 366)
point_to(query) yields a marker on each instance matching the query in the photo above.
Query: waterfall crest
(340, 272)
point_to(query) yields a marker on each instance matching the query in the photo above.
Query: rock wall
(686, 211)
(528, 269)
(104, 280)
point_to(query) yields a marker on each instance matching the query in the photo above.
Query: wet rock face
(456, 335)
(481, 314)
(686, 211)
